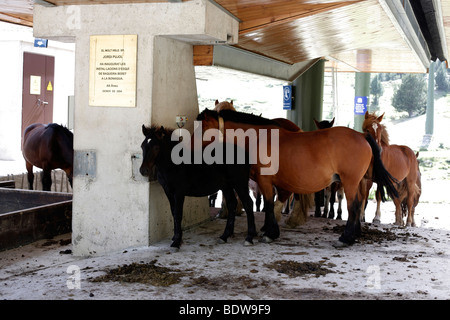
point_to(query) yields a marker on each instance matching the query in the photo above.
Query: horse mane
(157, 127)
(61, 129)
(371, 118)
(236, 116)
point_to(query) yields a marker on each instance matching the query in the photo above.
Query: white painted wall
(14, 41)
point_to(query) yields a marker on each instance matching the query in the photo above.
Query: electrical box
(181, 121)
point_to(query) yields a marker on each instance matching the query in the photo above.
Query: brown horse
(298, 165)
(47, 147)
(401, 162)
(303, 201)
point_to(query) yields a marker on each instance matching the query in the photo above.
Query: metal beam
(238, 59)
(406, 24)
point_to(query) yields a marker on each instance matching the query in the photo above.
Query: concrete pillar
(362, 90)
(308, 97)
(113, 206)
(362, 87)
(429, 122)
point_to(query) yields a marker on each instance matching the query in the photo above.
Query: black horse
(47, 146)
(195, 180)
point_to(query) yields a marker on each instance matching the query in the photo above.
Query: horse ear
(217, 102)
(380, 117)
(332, 122)
(146, 131)
(366, 115)
(317, 123)
(160, 133)
(231, 102)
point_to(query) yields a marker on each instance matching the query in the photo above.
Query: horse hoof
(376, 221)
(266, 239)
(221, 241)
(248, 243)
(174, 249)
(339, 244)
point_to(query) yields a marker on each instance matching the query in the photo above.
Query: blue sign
(40, 43)
(287, 97)
(360, 105)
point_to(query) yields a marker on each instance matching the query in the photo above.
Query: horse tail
(380, 175)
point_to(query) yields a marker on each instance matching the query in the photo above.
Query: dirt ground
(387, 263)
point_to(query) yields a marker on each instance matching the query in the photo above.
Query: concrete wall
(14, 41)
(174, 93)
(114, 209)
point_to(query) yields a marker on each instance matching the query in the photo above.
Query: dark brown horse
(47, 146)
(401, 162)
(298, 165)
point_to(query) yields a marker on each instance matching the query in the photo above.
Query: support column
(308, 97)
(429, 123)
(362, 92)
(114, 208)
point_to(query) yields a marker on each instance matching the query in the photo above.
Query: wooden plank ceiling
(358, 33)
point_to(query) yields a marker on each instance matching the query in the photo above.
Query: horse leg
(30, 175)
(410, 203)
(270, 228)
(398, 212)
(299, 213)
(410, 221)
(69, 173)
(364, 187)
(411, 200)
(47, 180)
(353, 193)
(258, 201)
(340, 195)
(377, 218)
(285, 209)
(332, 198)
(247, 203)
(317, 201)
(177, 213)
(231, 203)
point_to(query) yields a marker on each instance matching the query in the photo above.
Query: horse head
(224, 105)
(372, 126)
(151, 147)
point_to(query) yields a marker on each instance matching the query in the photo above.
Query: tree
(411, 96)
(376, 89)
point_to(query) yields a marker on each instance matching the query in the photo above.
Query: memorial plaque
(112, 70)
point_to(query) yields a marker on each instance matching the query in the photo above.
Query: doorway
(37, 90)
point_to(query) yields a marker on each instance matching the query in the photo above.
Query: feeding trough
(27, 216)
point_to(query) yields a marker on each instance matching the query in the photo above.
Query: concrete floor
(414, 265)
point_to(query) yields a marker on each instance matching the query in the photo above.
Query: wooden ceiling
(360, 34)
(17, 11)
